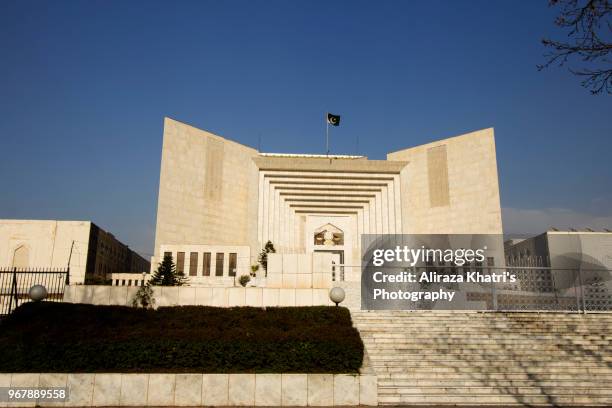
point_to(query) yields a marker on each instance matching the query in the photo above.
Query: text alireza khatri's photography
(289, 204)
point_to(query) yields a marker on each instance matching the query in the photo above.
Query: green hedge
(63, 337)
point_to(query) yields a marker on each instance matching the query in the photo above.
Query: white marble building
(220, 201)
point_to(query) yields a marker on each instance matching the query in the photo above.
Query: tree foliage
(144, 297)
(167, 275)
(263, 255)
(244, 280)
(589, 42)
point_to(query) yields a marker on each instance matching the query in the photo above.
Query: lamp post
(337, 295)
(37, 293)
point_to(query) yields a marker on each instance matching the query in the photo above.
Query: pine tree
(166, 274)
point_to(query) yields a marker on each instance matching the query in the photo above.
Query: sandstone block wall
(45, 244)
(451, 186)
(207, 192)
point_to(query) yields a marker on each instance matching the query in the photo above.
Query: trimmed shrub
(144, 297)
(63, 337)
(244, 279)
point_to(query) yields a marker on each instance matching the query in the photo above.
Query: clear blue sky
(85, 85)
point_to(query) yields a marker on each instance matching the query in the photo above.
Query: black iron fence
(15, 284)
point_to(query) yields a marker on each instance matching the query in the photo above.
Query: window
(232, 264)
(206, 265)
(180, 262)
(167, 254)
(193, 264)
(219, 265)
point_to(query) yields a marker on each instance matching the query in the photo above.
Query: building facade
(216, 194)
(91, 253)
(562, 250)
(567, 259)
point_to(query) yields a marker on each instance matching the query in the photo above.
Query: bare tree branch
(589, 41)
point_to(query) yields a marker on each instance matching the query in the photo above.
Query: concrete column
(260, 216)
(378, 213)
(398, 204)
(390, 208)
(384, 210)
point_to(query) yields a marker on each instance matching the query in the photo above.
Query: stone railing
(108, 390)
(204, 296)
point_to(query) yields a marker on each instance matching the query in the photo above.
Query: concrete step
(489, 316)
(479, 322)
(495, 331)
(464, 353)
(490, 366)
(503, 400)
(449, 323)
(479, 376)
(401, 328)
(464, 358)
(468, 371)
(433, 338)
(472, 349)
(454, 342)
(497, 390)
(587, 382)
(373, 335)
(437, 327)
(560, 360)
(524, 315)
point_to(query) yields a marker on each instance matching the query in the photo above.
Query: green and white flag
(333, 120)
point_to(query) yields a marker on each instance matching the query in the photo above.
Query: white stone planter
(103, 390)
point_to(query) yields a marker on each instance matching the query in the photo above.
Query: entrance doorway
(337, 271)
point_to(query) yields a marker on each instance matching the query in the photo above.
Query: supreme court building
(220, 202)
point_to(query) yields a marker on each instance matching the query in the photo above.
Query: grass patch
(64, 337)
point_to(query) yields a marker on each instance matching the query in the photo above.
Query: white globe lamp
(337, 295)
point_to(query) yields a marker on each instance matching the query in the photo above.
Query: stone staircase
(469, 358)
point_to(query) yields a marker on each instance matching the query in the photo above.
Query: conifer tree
(166, 274)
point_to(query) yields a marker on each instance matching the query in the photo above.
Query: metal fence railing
(533, 289)
(15, 284)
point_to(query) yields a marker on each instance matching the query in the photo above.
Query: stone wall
(45, 244)
(310, 270)
(196, 390)
(451, 186)
(202, 296)
(207, 191)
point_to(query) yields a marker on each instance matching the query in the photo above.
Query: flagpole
(327, 133)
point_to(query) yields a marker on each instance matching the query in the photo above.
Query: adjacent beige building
(91, 253)
(567, 259)
(216, 194)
